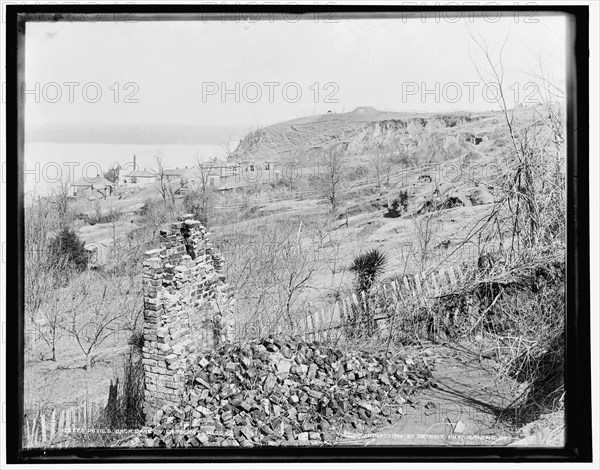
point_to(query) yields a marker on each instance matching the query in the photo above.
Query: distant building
(139, 179)
(225, 177)
(215, 175)
(92, 188)
(174, 174)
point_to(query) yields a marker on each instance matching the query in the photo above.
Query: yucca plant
(367, 267)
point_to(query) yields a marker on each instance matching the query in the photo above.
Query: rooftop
(140, 174)
(98, 182)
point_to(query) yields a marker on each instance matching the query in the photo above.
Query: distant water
(45, 162)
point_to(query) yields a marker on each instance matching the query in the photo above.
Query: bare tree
(44, 274)
(60, 197)
(48, 322)
(163, 184)
(200, 197)
(533, 189)
(39, 272)
(298, 265)
(382, 164)
(226, 147)
(426, 228)
(90, 316)
(291, 171)
(272, 267)
(332, 174)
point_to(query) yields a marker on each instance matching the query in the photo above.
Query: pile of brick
(269, 392)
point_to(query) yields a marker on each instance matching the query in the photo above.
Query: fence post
(61, 421)
(319, 327)
(442, 279)
(305, 333)
(399, 295)
(43, 427)
(52, 424)
(343, 313)
(418, 284)
(407, 285)
(434, 285)
(34, 427)
(452, 276)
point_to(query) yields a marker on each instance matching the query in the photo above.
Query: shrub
(358, 172)
(124, 409)
(112, 174)
(367, 267)
(146, 209)
(156, 212)
(99, 218)
(69, 246)
(398, 205)
(199, 203)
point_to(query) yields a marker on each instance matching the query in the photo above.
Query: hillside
(288, 257)
(364, 129)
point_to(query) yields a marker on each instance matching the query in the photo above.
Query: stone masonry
(187, 308)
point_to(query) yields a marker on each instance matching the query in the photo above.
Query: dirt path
(461, 408)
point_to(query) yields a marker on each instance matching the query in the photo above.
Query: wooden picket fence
(44, 427)
(420, 289)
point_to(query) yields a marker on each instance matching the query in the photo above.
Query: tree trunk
(287, 310)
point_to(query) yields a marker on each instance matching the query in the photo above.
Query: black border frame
(578, 446)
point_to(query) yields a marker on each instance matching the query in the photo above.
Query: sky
(251, 74)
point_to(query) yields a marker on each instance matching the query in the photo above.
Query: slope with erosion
(363, 131)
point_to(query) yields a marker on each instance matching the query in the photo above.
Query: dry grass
(514, 315)
(502, 307)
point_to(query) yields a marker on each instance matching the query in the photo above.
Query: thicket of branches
(273, 267)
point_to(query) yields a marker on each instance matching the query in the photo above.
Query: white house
(225, 177)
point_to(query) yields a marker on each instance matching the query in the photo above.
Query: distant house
(92, 188)
(215, 175)
(252, 166)
(174, 174)
(225, 177)
(139, 179)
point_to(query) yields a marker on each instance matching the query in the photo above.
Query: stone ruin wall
(187, 308)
